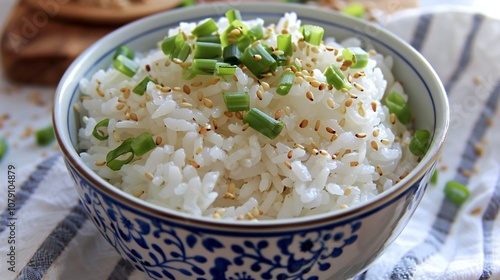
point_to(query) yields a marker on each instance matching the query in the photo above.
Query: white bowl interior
(428, 100)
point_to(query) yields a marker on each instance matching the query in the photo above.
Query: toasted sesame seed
(329, 48)
(352, 95)
(358, 87)
(339, 58)
(245, 127)
(288, 165)
(149, 175)
(402, 176)
(196, 84)
(361, 111)
(228, 114)
(186, 89)
(316, 125)
(200, 95)
(277, 114)
(303, 123)
(194, 163)
(323, 153)
(299, 146)
(116, 136)
(126, 93)
(379, 170)
(342, 122)
(265, 86)
(177, 89)
(138, 193)
(100, 163)
(310, 95)
(239, 115)
(259, 94)
(349, 77)
(231, 196)
(343, 206)
(315, 84)
(330, 130)
(467, 173)
(360, 135)
(348, 102)
(208, 103)
(257, 57)
(167, 89)
(374, 145)
(374, 106)
(330, 102)
(385, 141)
(315, 151)
(354, 163)
(478, 150)
(213, 81)
(186, 105)
(376, 132)
(476, 211)
(347, 191)
(99, 91)
(177, 61)
(235, 32)
(167, 62)
(392, 118)
(120, 106)
(289, 155)
(199, 150)
(133, 116)
(216, 216)
(314, 145)
(372, 52)
(148, 97)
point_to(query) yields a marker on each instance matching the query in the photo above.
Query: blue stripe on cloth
(424, 22)
(54, 244)
(465, 56)
(489, 217)
(447, 214)
(28, 188)
(122, 270)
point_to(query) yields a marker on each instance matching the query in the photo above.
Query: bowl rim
(427, 162)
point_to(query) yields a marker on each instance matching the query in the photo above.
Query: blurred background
(40, 39)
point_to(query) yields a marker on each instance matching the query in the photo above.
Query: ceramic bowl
(166, 244)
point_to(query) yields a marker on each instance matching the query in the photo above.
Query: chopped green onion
(206, 28)
(223, 69)
(234, 33)
(398, 106)
(187, 73)
(312, 34)
(419, 142)
(434, 177)
(125, 51)
(335, 77)
(258, 60)
(456, 192)
(125, 65)
(285, 83)
(120, 156)
(263, 123)
(202, 66)
(209, 39)
(45, 136)
(3, 147)
(256, 32)
(143, 85)
(236, 101)
(285, 44)
(207, 50)
(357, 56)
(355, 10)
(168, 44)
(98, 133)
(231, 54)
(181, 52)
(233, 15)
(142, 144)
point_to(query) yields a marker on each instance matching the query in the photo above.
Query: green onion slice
(206, 28)
(125, 65)
(313, 34)
(355, 10)
(181, 52)
(142, 144)
(202, 66)
(285, 44)
(357, 56)
(223, 69)
(434, 177)
(420, 142)
(233, 15)
(101, 134)
(335, 77)
(143, 85)
(168, 44)
(234, 33)
(207, 50)
(456, 192)
(125, 51)
(258, 60)
(3, 147)
(256, 32)
(45, 136)
(120, 156)
(236, 101)
(209, 39)
(285, 83)
(263, 123)
(231, 54)
(398, 106)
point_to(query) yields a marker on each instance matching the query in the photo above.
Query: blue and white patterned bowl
(170, 245)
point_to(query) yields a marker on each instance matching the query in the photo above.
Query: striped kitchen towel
(54, 239)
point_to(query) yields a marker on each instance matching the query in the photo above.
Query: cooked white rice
(230, 172)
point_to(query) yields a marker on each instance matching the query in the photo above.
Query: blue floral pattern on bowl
(163, 250)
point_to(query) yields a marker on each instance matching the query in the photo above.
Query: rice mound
(208, 163)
